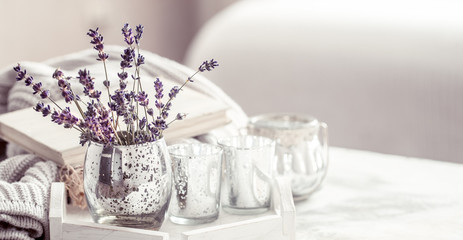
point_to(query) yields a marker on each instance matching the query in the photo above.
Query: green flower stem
(79, 108)
(137, 72)
(187, 81)
(56, 104)
(109, 96)
(174, 120)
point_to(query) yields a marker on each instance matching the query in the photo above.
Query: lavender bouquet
(129, 103)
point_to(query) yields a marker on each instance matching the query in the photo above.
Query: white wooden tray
(67, 222)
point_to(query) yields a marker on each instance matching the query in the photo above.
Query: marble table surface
(369, 195)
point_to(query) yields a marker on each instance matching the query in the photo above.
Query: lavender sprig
(97, 40)
(36, 87)
(139, 30)
(64, 85)
(89, 86)
(206, 65)
(133, 42)
(45, 110)
(64, 117)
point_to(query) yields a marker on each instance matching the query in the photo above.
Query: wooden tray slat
(67, 222)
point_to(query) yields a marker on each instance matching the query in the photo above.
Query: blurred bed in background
(386, 76)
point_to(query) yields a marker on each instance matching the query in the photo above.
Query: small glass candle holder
(196, 170)
(248, 173)
(301, 147)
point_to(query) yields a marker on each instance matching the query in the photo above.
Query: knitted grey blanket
(25, 182)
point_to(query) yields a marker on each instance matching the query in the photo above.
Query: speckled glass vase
(128, 185)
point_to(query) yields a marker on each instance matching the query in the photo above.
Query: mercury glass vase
(128, 185)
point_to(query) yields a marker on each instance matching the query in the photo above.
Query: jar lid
(284, 121)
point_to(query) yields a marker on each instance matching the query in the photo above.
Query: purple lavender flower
(37, 87)
(64, 118)
(127, 58)
(103, 125)
(20, 74)
(140, 60)
(139, 30)
(159, 89)
(141, 137)
(208, 65)
(67, 95)
(142, 123)
(160, 123)
(97, 130)
(92, 33)
(118, 105)
(17, 68)
(150, 111)
(104, 115)
(127, 32)
(113, 106)
(165, 110)
(130, 95)
(129, 116)
(102, 56)
(86, 137)
(180, 116)
(57, 74)
(62, 80)
(46, 111)
(173, 92)
(39, 106)
(93, 93)
(63, 83)
(142, 98)
(97, 40)
(155, 133)
(122, 84)
(29, 80)
(159, 94)
(164, 114)
(45, 94)
(84, 77)
(65, 86)
(86, 80)
(159, 105)
(91, 112)
(122, 75)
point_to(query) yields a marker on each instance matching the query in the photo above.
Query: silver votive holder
(248, 173)
(196, 170)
